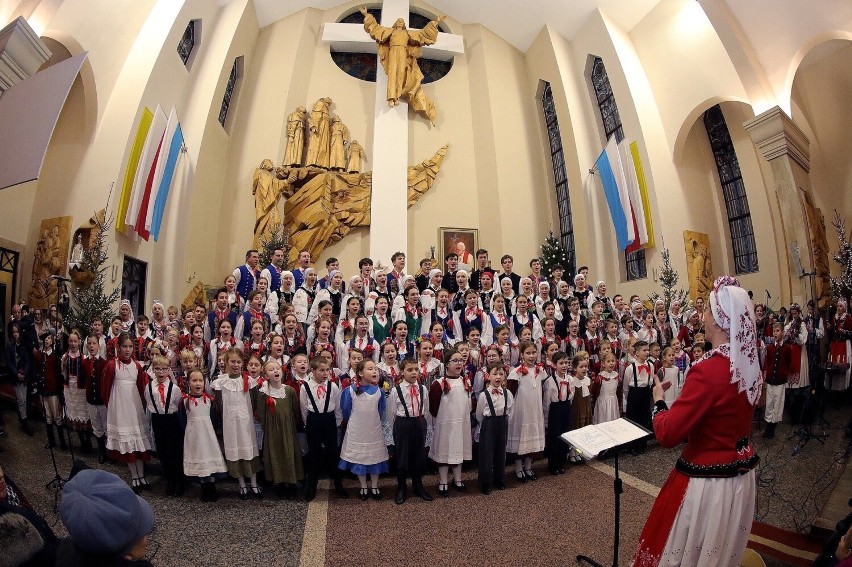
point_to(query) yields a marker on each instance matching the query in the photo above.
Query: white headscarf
(292, 281)
(305, 278)
(733, 311)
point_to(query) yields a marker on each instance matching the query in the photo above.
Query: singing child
(408, 405)
(526, 426)
(493, 409)
(202, 456)
(163, 399)
(363, 451)
(558, 395)
(449, 405)
(277, 408)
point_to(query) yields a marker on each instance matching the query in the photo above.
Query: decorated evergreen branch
(553, 254)
(92, 300)
(841, 286)
(277, 237)
(668, 281)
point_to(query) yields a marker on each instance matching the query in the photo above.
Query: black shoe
(560, 471)
(102, 450)
(180, 488)
(143, 482)
(421, 493)
(25, 427)
(85, 443)
(340, 490)
(400, 496)
(283, 493)
(486, 490)
(553, 472)
(529, 475)
(213, 496)
(770, 431)
(364, 494)
(170, 488)
(459, 486)
(205, 492)
(521, 477)
(243, 493)
(443, 490)
(51, 438)
(500, 485)
(376, 493)
(136, 486)
(256, 492)
(310, 492)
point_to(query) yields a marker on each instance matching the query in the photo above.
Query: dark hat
(102, 514)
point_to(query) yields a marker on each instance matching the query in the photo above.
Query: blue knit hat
(102, 514)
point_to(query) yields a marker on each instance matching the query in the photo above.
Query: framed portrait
(462, 241)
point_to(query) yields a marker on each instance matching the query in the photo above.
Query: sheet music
(622, 431)
(593, 439)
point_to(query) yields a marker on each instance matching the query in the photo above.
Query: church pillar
(787, 150)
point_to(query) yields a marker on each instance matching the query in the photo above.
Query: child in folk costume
(840, 350)
(581, 404)
(159, 321)
(471, 316)
(236, 400)
(363, 451)
(524, 319)
(163, 399)
(255, 344)
(346, 325)
(333, 293)
(475, 357)
(361, 340)
(90, 380)
(399, 337)
(558, 395)
(607, 405)
(501, 341)
(277, 408)
(671, 374)
(303, 299)
(548, 326)
(526, 426)
(320, 402)
(389, 371)
(681, 357)
(449, 405)
(142, 340)
(442, 313)
(439, 339)
(128, 433)
(493, 409)
(276, 352)
(254, 313)
(779, 359)
(50, 382)
(638, 381)
(202, 456)
(796, 335)
(254, 368)
(499, 315)
(221, 344)
(380, 323)
(492, 356)
(291, 333)
(408, 405)
(429, 367)
(112, 340)
(573, 342)
(411, 313)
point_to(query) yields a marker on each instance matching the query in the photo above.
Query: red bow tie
(497, 392)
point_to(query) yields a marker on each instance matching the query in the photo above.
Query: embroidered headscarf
(733, 311)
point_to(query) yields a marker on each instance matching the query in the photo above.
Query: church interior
(731, 114)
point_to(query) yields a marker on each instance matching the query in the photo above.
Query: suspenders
(491, 404)
(168, 397)
(404, 406)
(314, 402)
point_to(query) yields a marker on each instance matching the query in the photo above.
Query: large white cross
(389, 203)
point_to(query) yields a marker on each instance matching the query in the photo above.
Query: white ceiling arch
(517, 22)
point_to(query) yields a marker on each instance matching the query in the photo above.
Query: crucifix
(389, 202)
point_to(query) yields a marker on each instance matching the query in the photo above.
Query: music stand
(617, 488)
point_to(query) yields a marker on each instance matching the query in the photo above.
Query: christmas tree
(90, 297)
(668, 281)
(277, 237)
(841, 286)
(553, 254)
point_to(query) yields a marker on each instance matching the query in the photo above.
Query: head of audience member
(104, 517)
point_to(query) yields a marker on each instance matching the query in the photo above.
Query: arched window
(190, 38)
(363, 65)
(560, 177)
(230, 89)
(733, 190)
(634, 262)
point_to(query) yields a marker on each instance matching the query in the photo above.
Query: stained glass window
(733, 190)
(560, 177)
(229, 90)
(187, 42)
(634, 262)
(363, 65)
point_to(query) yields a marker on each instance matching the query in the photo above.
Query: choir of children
(311, 379)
